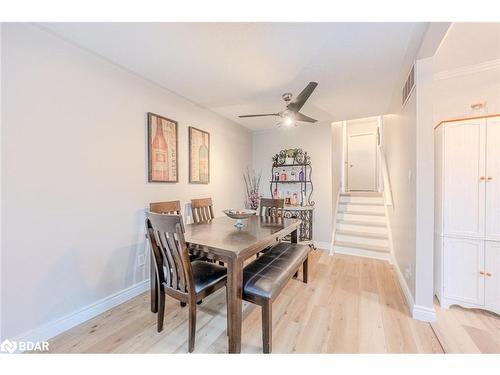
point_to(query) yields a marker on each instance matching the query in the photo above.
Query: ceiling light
(288, 121)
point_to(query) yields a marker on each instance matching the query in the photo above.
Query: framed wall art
(199, 156)
(162, 149)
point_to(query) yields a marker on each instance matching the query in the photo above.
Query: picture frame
(199, 156)
(163, 149)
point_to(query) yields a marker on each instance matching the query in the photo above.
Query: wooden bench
(266, 276)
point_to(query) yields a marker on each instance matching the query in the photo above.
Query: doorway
(361, 155)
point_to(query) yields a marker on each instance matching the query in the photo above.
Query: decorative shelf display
(291, 179)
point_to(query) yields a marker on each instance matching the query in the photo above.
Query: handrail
(385, 179)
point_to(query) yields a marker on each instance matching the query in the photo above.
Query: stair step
(363, 204)
(362, 241)
(370, 229)
(361, 194)
(361, 217)
(382, 236)
(381, 249)
(361, 199)
(363, 223)
(367, 213)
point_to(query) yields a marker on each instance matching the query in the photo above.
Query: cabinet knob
(488, 274)
(481, 272)
(489, 178)
(482, 178)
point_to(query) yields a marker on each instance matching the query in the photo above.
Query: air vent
(409, 86)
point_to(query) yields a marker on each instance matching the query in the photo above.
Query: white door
(362, 162)
(463, 264)
(492, 276)
(464, 190)
(492, 225)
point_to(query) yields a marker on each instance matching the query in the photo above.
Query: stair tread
(362, 223)
(370, 194)
(367, 213)
(361, 204)
(354, 233)
(383, 249)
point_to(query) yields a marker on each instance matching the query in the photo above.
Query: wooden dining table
(221, 240)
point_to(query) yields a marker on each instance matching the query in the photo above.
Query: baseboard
(58, 326)
(423, 313)
(410, 301)
(362, 253)
(322, 245)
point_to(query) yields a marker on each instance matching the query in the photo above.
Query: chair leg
(161, 310)
(305, 267)
(267, 327)
(192, 326)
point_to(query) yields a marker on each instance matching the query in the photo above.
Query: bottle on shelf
(301, 175)
(275, 193)
(287, 198)
(294, 199)
(293, 175)
(283, 176)
(276, 176)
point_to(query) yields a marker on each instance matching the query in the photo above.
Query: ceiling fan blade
(300, 117)
(300, 99)
(260, 115)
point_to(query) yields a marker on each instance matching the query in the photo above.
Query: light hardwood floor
(463, 330)
(350, 305)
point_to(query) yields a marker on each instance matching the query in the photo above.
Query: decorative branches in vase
(252, 183)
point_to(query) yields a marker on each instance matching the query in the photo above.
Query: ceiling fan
(291, 114)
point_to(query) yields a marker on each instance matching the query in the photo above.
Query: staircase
(361, 227)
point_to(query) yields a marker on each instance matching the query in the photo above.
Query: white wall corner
(410, 301)
(60, 325)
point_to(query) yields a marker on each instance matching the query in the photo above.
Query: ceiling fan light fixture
(288, 121)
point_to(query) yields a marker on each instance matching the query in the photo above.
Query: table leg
(234, 304)
(294, 239)
(154, 287)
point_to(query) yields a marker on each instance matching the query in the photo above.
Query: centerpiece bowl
(239, 215)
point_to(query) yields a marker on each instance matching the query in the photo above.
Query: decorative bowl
(239, 215)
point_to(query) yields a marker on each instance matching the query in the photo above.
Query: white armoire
(467, 213)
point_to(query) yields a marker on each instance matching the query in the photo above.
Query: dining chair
(177, 276)
(202, 210)
(171, 207)
(271, 207)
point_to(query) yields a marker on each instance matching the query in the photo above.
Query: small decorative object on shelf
(293, 168)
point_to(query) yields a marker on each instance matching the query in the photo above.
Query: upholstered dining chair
(271, 207)
(178, 277)
(202, 210)
(171, 207)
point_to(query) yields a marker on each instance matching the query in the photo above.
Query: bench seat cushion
(267, 275)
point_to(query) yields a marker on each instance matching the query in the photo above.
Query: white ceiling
(243, 68)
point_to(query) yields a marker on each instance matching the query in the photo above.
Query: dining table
(220, 240)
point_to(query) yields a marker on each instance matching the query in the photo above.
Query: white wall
(316, 140)
(75, 179)
(467, 71)
(399, 144)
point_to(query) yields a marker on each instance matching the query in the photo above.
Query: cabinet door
(463, 260)
(492, 278)
(464, 191)
(492, 225)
